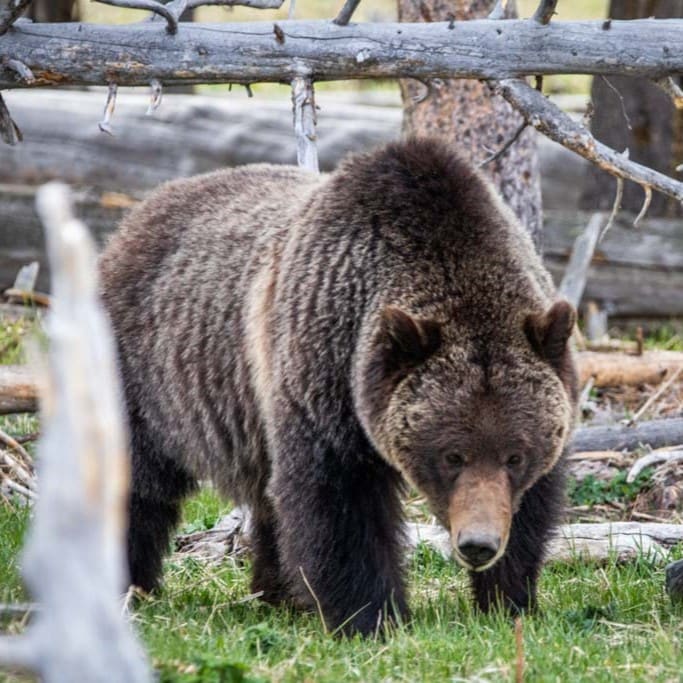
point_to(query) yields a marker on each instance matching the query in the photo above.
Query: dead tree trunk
(477, 122)
(634, 114)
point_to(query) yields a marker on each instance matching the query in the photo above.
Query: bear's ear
(406, 341)
(549, 332)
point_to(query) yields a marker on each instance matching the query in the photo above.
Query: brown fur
(310, 343)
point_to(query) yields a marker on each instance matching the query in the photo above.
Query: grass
(596, 623)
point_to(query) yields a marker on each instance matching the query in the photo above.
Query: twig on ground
(547, 118)
(15, 445)
(315, 598)
(519, 650)
(346, 12)
(594, 456)
(27, 297)
(650, 401)
(662, 455)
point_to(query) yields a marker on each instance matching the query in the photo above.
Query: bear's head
(471, 421)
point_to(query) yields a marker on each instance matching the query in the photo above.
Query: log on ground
(18, 390)
(616, 369)
(579, 542)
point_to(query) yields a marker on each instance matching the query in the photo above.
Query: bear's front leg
(511, 582)
(339, 520)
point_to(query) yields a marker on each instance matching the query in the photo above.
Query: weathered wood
(250, 52)
(610, 369)
(548, 119)
(303, 105)
(655, 433)
(585, 542)
(18, 390)
(73, 561)
(574, 279)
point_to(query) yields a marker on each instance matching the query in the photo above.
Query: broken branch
(544, 12)
(303, 103)
(11, 13)
(346, 12)
(547, 118)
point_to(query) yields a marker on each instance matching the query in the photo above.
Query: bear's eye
(514, 460)
(455, 460)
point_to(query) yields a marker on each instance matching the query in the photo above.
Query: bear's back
(175, 280)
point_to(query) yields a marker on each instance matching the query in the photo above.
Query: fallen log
(579, 542)
(583, 542)
(621, 369)
(655, 433)
(18, 390)
(249, 52)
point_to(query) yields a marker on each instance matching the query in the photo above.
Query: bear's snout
(479, 515)
(479, 548)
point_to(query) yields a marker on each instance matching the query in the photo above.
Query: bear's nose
(477, 548)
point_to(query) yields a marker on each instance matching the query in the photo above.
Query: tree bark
(53, 10)
(634, 114)
(477, 122)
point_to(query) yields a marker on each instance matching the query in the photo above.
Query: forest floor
(595, 623)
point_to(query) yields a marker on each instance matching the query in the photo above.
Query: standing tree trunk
(477, 123)
(634, 114)
(53, 10)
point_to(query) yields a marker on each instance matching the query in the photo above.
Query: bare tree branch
(545, 11)
(498, 11)
(247, 52)
(11, 13)
(148, 6)
(671, 88)
(345, 13)
(547, 118)
(303, 103)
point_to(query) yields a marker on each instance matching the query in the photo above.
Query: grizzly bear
(313, 345)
